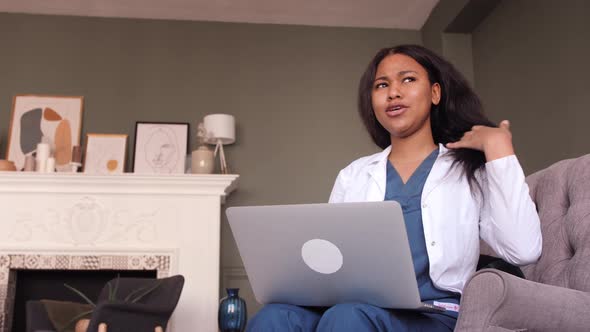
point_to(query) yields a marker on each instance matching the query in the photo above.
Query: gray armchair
(556, 294)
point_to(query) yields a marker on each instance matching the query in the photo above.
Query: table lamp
(221, 130)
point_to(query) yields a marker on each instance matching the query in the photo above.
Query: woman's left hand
(494, 142)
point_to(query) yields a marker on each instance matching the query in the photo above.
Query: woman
(453, 172)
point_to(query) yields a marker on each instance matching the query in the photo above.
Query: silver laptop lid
(325, 254)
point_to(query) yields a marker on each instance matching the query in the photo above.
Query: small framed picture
(56, 120)
(160, 147)
(105, 154)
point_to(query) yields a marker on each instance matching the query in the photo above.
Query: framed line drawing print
(105, 154)
(56, 120)
(160, 147)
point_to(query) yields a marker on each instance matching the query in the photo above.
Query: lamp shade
(220, 127)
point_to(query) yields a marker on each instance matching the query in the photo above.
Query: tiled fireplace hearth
(11, 262)
(170, 224)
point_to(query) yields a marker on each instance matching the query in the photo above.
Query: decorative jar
(232, 315)
(202, 160)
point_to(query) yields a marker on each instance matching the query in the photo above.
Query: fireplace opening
(49, 284)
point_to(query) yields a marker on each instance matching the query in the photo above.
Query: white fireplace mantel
(175, 216)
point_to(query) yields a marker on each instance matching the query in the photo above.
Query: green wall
(532, 64)
(292, 89)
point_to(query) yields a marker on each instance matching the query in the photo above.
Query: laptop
(326, 254)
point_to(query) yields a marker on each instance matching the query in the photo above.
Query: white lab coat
(454, 219)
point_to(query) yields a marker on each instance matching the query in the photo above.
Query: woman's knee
(282, 317)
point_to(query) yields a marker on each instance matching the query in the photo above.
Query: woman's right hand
(494, 142)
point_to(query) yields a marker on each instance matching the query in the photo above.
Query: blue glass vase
(232, 315)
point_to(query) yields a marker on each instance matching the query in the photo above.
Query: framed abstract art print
(56, 120)
(105, 154)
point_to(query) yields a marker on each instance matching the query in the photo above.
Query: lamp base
(222, 162)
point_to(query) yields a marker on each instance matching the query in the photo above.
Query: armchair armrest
(125, 317)
(497, 301)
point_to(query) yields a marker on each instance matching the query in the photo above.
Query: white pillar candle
(43, 151)
(41, 165)
(29, 163)
(50, 165)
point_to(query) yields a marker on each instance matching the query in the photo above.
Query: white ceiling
(398, 14)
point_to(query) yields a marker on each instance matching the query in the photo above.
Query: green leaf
(146, 292)
(113, 291)
(81, 295)
(110, 291)
(133, 293)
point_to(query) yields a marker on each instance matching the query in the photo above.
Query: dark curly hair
(458, 111)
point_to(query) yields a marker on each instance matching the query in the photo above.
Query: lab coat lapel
(378, 172)
(439, 171)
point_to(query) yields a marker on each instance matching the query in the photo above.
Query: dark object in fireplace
(154, 309)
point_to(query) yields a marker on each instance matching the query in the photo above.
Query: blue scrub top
(409, 196)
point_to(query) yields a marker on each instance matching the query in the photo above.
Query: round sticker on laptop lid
(322, 256)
